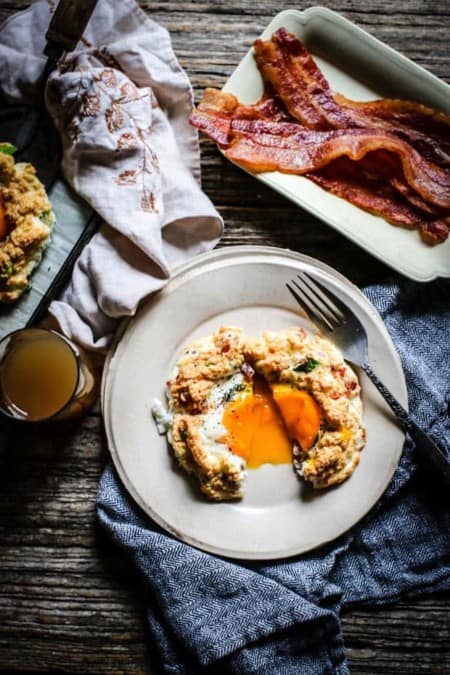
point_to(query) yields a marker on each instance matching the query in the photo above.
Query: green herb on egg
(7, 148)
(306, 366)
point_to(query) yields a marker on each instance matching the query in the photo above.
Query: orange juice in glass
(44, 376)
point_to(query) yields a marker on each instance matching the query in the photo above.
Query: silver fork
(333, 318)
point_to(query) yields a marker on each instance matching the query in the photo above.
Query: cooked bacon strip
(269, 107)
(426, 129)
(217, 109)
(287, 65)
(214, 114)
(356, 182)
(386, 165)
(271, 146)
(223, 104)
(435, 231)
(386, 176)
(402, 111)
(346, 179)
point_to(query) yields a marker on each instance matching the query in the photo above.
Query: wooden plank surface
(69, 601)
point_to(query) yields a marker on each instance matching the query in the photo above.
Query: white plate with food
(360, 67)
(269, 512)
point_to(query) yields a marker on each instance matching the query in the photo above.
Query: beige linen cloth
(121, 102)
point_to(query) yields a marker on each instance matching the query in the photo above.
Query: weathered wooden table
(69, 601)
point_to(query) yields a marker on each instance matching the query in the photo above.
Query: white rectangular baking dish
(363, 68)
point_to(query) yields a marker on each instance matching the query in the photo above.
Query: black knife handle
(68, 24)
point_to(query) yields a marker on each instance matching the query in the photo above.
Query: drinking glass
(44, 376)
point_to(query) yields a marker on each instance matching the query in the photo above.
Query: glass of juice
(44, 376)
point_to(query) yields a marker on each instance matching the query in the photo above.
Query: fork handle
(422, 440)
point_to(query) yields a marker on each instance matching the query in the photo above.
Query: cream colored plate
(363, 68)
(278, 516)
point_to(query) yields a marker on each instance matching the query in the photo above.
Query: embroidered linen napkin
(121, 103)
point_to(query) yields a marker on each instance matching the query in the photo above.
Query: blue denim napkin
(210, 615)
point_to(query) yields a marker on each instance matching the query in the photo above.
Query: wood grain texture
(69, 599)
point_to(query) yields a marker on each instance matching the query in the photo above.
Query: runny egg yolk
(300, 412)
(261, 423)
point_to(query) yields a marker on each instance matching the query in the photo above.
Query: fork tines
(316, 303)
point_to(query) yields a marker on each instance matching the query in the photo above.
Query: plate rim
(106, 385)
(436, 269)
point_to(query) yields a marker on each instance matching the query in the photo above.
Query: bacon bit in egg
(247, 371)
(334, 395)
(350, 386)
